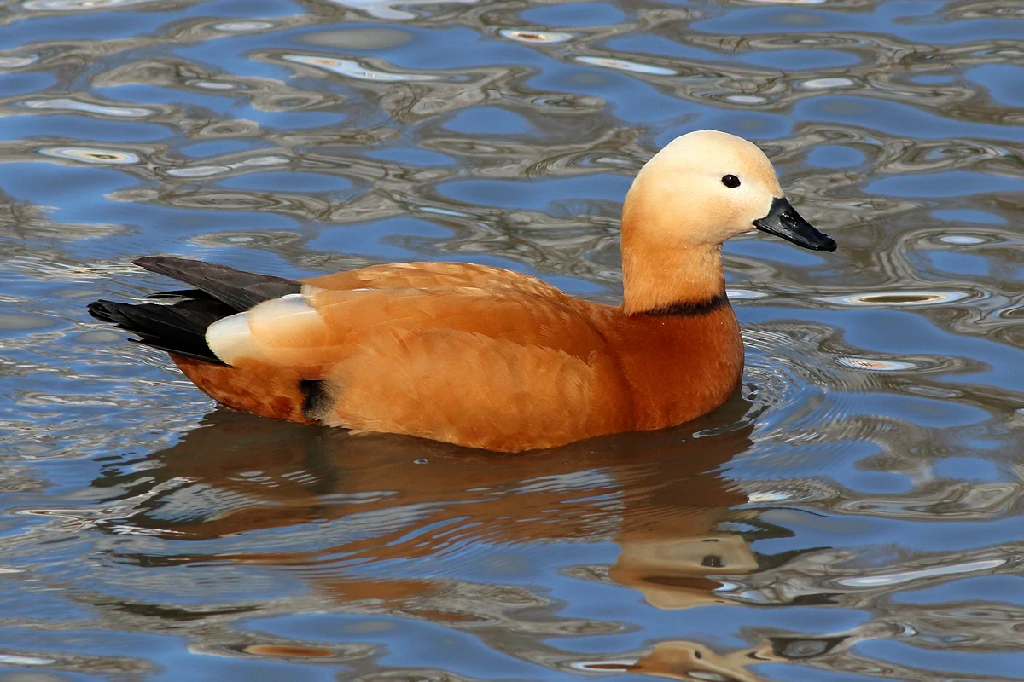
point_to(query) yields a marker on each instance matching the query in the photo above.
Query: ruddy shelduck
(484, 357)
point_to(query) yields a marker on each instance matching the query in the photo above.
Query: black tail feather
(168, 327)
(239, 289)
(180, 327)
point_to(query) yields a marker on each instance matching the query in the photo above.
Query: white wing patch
(245, 335)
(230, 339)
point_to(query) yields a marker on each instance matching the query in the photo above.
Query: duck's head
(708, 186)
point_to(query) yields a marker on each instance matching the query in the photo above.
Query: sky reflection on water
(853, 515)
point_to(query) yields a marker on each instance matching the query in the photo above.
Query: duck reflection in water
(380, 500)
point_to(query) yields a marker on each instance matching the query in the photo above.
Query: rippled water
(853, 515)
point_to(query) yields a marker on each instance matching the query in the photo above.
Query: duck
(484, 357)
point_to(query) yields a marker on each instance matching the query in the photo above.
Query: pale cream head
(697, 192)
(683, 184)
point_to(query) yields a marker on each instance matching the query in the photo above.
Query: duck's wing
(318, 327)
(489, 367)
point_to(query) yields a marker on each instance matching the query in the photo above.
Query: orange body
(480, 357)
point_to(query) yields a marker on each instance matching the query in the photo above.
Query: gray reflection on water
(865, 486)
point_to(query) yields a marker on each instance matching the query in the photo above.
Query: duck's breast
(679, 366)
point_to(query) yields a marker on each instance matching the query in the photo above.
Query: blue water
(853, 515)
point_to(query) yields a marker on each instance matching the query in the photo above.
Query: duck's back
(433, 276)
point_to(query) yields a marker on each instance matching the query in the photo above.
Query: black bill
(783, 221)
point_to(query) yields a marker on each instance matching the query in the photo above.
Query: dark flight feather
(239, 289)
(180, 327)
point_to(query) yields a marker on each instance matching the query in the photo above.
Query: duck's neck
(671, 280)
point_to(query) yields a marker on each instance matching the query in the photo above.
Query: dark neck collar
(689, 308)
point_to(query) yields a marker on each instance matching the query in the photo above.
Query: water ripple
(82, 5)
(353, 69)
(899, 298)
(91, 155)
(63, 104)
(864, 481)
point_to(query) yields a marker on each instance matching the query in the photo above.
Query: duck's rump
(179, 321)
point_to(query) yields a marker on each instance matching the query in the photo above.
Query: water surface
(852, 515)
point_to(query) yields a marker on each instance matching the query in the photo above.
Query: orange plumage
(484, 357)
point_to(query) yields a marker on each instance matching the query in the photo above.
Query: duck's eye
(730, 181)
